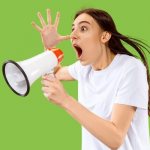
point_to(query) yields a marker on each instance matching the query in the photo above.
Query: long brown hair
(115, 44)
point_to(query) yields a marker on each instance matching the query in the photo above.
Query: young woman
(113, 85)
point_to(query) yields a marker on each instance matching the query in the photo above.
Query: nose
(74, 35)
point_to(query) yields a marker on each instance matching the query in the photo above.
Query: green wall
(32, 123)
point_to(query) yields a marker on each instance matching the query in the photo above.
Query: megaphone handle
(51, 72)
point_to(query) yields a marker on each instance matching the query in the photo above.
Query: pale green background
(32, 123)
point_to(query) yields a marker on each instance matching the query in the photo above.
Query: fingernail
(46, 95)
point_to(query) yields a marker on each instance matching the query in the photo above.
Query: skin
(91, 38)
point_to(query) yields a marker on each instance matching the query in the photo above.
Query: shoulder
(129, 63)
(77, 70)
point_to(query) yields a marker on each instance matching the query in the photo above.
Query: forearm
(62, 73)
(59, 73)
(102, 129)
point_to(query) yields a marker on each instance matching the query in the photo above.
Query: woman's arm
(111, 132)
(62, 73)
(50, 38)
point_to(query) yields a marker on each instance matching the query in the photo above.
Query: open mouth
(78, 50)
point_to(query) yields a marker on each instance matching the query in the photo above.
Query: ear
(105, 37)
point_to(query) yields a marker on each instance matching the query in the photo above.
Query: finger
(46, 95)
(45, 83)
(43, 42)
(49, 17)
(45, 89)
(57, 20)
(41, 19)
(48, 90)
(50, 77)
(67, 37)
(47, 74)
(36, 26)
(44, 76)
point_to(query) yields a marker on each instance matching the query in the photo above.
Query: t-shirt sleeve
(133, 87)
(74, 70)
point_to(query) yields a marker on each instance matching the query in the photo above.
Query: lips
(78, 50)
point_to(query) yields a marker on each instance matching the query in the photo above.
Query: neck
(104, 60)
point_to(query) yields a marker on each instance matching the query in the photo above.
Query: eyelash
(82, 28)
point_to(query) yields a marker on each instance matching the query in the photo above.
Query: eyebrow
(81, 22)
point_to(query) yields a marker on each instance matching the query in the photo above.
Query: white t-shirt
(124, 81)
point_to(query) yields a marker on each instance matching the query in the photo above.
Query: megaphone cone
(20, 75)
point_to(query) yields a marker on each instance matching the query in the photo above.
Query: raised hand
(49, 34)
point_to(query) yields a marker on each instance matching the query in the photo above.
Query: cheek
(93, 50)
(92, 46)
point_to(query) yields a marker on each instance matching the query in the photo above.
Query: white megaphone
(20, 75)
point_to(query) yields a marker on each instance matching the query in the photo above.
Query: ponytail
(116, 46)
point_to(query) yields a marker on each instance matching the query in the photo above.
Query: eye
(83, 28)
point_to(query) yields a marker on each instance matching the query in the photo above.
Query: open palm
(49, 34)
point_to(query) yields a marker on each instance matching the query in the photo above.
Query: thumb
(67, 37)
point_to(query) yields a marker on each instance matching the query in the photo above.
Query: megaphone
(20, 75)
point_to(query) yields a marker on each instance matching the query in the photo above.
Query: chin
(84, 63)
